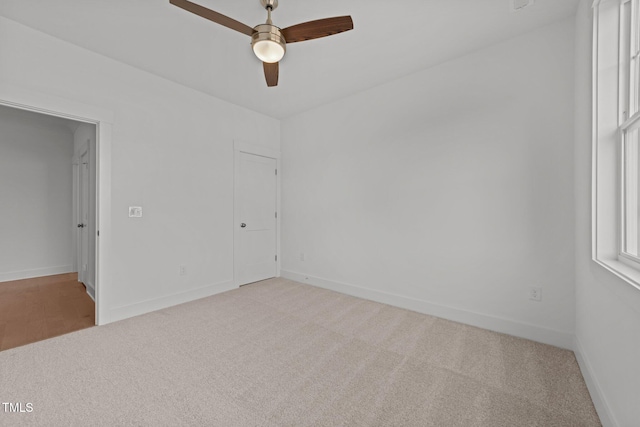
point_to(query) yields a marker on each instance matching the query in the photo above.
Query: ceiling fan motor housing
(268, 43)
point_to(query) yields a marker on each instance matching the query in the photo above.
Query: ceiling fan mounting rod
(269, 4)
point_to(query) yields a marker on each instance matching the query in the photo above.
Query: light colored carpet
(280, 353)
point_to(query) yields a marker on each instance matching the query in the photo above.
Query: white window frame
(629, 46)
(611, 65)
(624, 255)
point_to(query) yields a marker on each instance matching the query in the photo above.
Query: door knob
(243, 225)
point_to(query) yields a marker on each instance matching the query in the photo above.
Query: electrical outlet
(183, 270)
(301, 256)
(535, 294)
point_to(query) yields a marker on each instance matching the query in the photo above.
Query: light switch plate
(135, 212)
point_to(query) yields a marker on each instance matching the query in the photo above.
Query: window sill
(627, 273)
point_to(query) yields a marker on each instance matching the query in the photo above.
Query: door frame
(25, 99)
(257, 150)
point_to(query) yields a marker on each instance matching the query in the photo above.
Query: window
(616, 143)
(629, 131)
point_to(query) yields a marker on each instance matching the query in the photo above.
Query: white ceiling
(390, 39)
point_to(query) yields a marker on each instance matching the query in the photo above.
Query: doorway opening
(48, 262)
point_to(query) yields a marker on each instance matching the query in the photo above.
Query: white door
(83, 216)
(257, 218)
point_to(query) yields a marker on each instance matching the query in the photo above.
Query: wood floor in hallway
(44, 307)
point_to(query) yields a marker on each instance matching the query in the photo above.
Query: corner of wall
(595, 390)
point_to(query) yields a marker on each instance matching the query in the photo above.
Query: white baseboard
(143, 307)
(506, 326)
(91, 290)
(36, 272)
(599, 400)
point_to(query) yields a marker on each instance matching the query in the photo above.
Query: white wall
(171, 153)
(449, 191)
(35, 196)
(607, 308)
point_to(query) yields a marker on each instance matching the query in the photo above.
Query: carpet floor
(281, 353)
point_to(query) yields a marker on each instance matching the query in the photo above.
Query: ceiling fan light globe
(268, 51)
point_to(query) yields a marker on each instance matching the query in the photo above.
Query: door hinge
(276, 214)
(98, 233)
(276, 171)
(276, 257)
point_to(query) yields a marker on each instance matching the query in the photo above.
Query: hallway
(43, 307)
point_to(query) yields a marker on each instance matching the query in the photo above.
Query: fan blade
(316, 29)
(216, 17)
(271, 72)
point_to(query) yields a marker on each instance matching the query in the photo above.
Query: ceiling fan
(268, 41)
